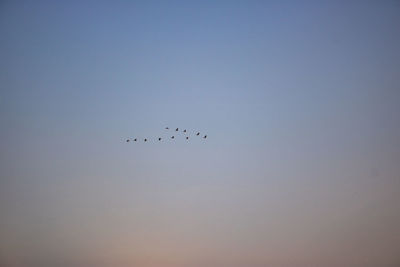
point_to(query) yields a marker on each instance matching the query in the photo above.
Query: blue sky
(300, 101)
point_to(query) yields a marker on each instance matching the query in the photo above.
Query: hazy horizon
(300, 101)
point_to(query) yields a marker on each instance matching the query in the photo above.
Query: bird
(205, 137)
(187, 137)
(127, 140)
(176, 129)
(135, 139)
(198, 134)
(159, 139)
(172, 137)
(184, 131)
(166, 128)
(145, 140)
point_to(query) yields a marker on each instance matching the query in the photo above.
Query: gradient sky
(300, 100)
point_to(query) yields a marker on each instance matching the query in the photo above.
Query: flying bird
(186, 136)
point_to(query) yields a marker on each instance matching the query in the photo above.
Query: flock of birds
(172, 137)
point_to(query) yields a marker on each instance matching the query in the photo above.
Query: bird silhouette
(186, 136)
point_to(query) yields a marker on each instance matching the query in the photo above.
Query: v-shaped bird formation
(171, 136)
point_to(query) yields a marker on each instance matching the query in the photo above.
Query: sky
(300, 101)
